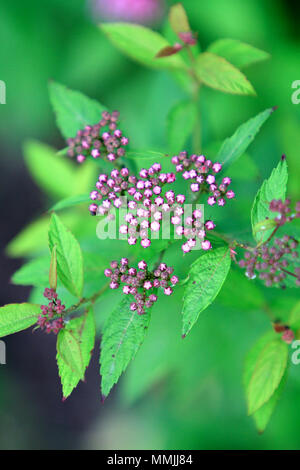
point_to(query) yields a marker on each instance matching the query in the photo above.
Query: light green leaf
(141, 44)
(272, 188)
(217, 73)
(54, 174)
(17, 317)
(180, 124)
(237, 53)
(70, 202)
(53, 270)
(234, 146)
(123, 334)
(178, 19)
(206, 277)
(294, 320)
(264, 371)
(264, 413)
(33, 273)
(69, 256)
(74, 347)
(73, 110)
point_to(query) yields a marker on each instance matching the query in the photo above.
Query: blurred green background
(177, 394)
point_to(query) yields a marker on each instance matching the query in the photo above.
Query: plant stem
(84, 300)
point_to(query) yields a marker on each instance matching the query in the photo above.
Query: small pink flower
(206, 245)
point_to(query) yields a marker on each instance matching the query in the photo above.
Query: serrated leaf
(123, 334)
(141, 44)
(178, 19)
(234, 146)
(69, 256)
(73, 110)
(272, 188)
(70, 202)
(237, 53)
(215, 72)
(266, 224)
(206, 277)
(264, 371)
(17, 317)
(74, 347)
(53, 270)
(180, 124)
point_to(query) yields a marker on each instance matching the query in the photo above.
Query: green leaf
(261, 227)
(264, 413)
(180, 124)
(73, 110)
(54, 174)
(237, 144)
(69, 256)
(33, 273)
(206, 277)
(272, 188)
(237, 53)
(74, 347)
(178, 19)
(294, 320)
(70, 202)
(17, 317)
(123, 334)
(217, 73)
(141, 44)
(53, 269)
(264, 370)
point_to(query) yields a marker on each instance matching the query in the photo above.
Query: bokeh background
(176, 395)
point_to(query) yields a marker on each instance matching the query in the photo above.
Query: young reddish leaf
(168, 50)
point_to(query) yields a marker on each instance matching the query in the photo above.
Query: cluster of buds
(193, 229)
(202, 174)
(272, 262)
(288, 335)
(142, 197)
(140, 283)
(51, 318)
(284, 211)
(101, 140)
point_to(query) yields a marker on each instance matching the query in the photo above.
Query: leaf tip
(103, 398)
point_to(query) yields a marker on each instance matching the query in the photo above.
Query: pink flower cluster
(51, 318)
(148, 200)
(284, 210)
(141, 282)
(202, 174)
(103, 140)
